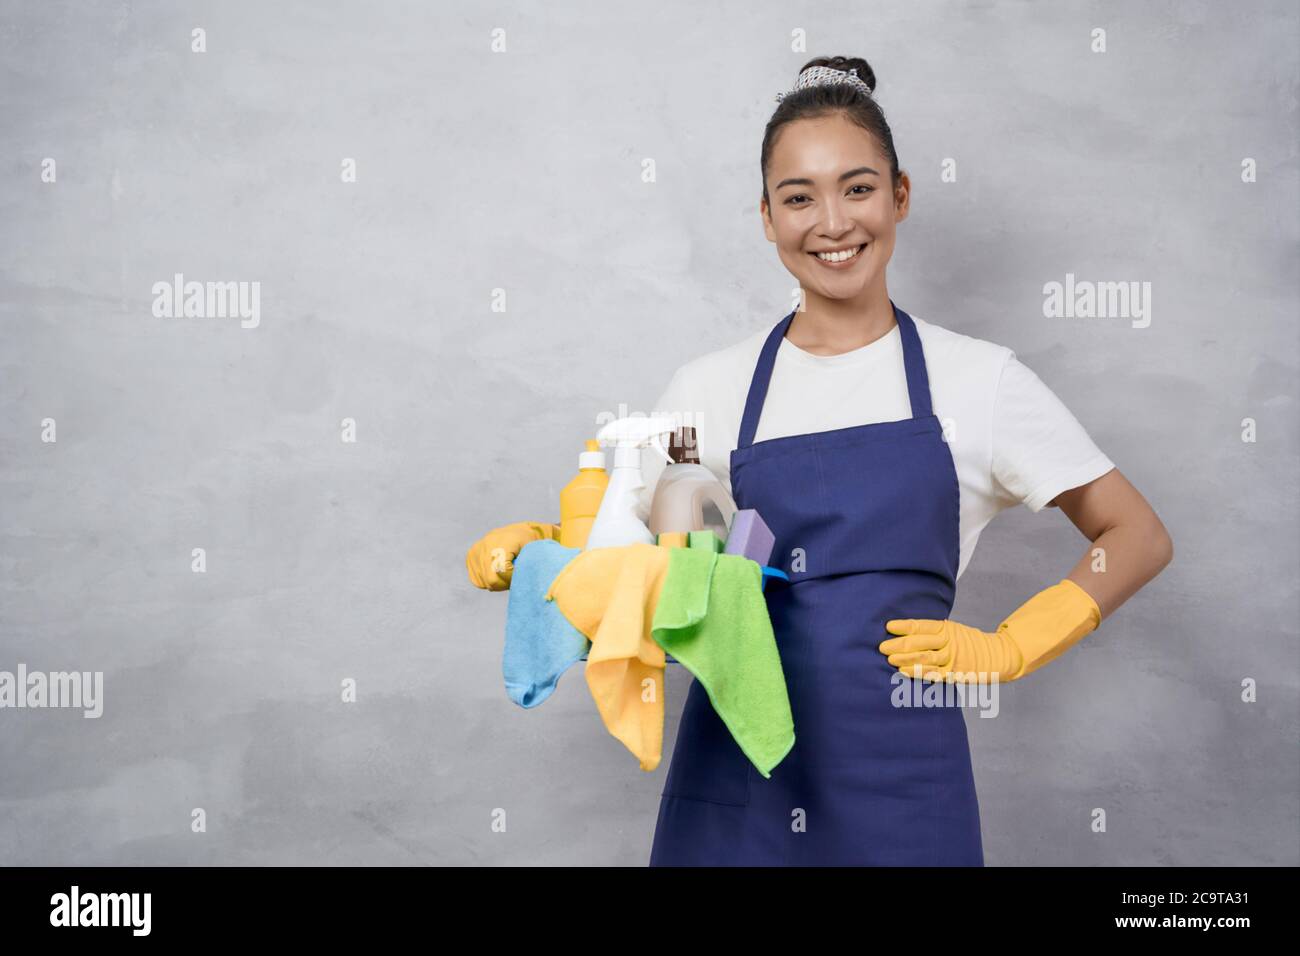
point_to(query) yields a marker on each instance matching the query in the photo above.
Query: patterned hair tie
(826, 76)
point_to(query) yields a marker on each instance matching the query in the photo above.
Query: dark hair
(849, 99)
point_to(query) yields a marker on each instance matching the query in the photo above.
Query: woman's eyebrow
(843, 176)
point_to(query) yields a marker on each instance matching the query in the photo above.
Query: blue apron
(866, 526)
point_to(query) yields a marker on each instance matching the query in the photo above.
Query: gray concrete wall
(521, 170)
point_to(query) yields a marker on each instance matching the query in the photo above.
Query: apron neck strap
(918, 380)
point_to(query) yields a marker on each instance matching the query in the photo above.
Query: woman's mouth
(839, 258)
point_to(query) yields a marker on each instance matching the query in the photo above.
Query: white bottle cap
(593, 457)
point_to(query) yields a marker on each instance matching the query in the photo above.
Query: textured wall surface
(325, 560)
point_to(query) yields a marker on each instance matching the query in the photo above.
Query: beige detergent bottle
(581, 497)
(684, 488)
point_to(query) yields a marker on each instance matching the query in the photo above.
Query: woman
(876, 446)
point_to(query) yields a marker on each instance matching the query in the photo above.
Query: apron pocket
(707, 763)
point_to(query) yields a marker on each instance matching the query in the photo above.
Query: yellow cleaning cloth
(610, 595)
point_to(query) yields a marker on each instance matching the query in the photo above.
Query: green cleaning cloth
(707, 540)
(712, 617)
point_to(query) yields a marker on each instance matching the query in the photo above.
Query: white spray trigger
(655, 443)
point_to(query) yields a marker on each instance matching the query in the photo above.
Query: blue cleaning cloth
(541, 644)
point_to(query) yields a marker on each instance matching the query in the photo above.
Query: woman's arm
(1114, 516)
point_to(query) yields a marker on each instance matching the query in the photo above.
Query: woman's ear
(765, 211)
(902, 197)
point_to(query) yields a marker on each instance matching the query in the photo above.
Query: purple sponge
(750, 537)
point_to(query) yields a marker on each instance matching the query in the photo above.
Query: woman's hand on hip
(949, 651)
(1039, 631)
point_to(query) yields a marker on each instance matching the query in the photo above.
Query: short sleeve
(1039, 449)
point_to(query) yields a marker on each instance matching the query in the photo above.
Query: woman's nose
(835, 220)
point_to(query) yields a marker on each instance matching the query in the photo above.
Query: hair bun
(846, 63)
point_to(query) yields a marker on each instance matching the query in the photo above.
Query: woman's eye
(863, 186)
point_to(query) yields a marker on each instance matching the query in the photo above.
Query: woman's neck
(835, 326)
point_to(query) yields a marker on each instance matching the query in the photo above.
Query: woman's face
(828, 182)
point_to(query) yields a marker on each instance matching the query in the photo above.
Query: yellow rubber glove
(1039, 631)
(490, 559)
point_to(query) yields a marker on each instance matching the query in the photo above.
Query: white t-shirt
(1012, 440)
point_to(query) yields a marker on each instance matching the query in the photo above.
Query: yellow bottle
(580, 499)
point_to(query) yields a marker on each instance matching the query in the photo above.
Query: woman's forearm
(1121, 561)
(1129, 544)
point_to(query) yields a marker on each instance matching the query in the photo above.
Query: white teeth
(839, 256)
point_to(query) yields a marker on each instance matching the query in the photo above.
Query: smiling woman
(837, 197)
(876, 446)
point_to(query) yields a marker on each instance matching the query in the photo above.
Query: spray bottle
(616, 522)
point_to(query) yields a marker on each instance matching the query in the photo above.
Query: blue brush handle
(773, 573)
